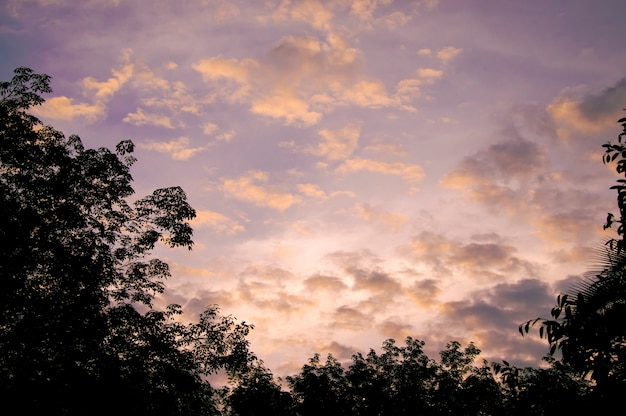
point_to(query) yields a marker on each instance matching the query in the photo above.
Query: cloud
(245, 189)
(102, 91)
(410, 173)
(484, 261)
(285, 105)
(429, 73)
(325, 283)
(337, 144)
(339, 351)
(63, 108)
(502, 174)
(387, 148)
(492, 316)
(366, 93)
(216, 68)
(212, 129)
(395, 20)
(312, 191)
(395, 329)
(178, 149)
(139, 118)
(224, 11)
(604, 104)
(388, 221)
(373, 281)
(588, 113)
(302, 78)
(485, 254)
(312, 12)
(425, 292)
(209, 128)
(365, 9)
(350, 319)
(163, 94)
(218, 222)
(448, 53)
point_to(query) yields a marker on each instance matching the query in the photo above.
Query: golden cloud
(178, 149)
(337, 144)
(286, 106)
(312, 191)
(218, 67)
(140, 118)
(103, 91)
(410, 173)
(302, 78)
(63, 108)
(387, 220)
(448, 53)
(216, 221)
(245, 189)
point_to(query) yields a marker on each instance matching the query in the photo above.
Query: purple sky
(362, 170)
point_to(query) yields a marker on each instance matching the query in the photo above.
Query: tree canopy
(587, 324)
(77, 325)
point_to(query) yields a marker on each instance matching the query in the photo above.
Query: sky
(361, 170)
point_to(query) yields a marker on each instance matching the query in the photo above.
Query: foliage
(399, 381)
(404, 380)
(76, 273)
(256, 393)
(587, 324)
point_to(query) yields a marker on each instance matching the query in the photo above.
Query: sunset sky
(361, 170)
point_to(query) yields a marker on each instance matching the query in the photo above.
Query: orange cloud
(388, 221)
(410, 173)
(178, 149)
(337, 144)
(140, 118)
(244, 188)
(63, 108)
(216, 221)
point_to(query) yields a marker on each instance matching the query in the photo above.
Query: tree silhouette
(587, 324)
(77, 272)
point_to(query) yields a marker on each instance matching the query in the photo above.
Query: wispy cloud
(247, 188)
(218, 222)
(178, 149)
(412, 174)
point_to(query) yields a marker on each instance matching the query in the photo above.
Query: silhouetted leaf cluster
(403, 380)
(77, 328)
(587, 324)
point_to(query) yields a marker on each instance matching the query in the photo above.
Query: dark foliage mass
(588, 324)
(79, 334)
(76, 272)
(402, 380)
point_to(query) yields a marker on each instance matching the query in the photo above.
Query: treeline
(402, 380)
(79, 334)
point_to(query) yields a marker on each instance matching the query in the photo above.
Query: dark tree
(256, 393)
(321, 388)
(77, 272)
(401, 380)
(587, 324)
(541, 391)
